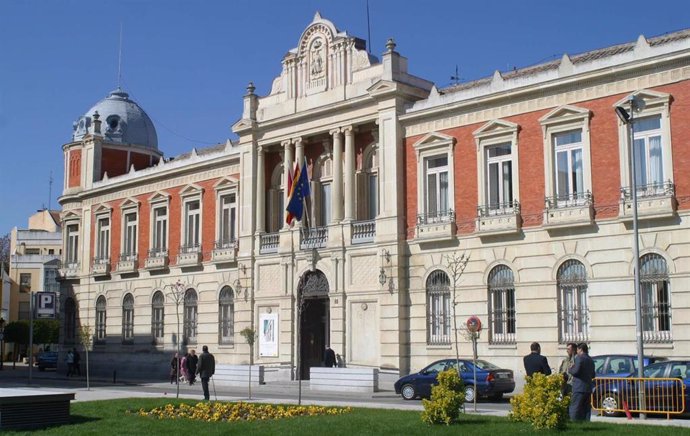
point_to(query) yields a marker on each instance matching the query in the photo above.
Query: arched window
(656, 299)
(322, 181)
(70, 320)
(226, 316)
(572, 302)
(100, 318)
(128, 318)
(190, 315)
(501, 306)
(157, 317)
(368, 185)
(438, 312)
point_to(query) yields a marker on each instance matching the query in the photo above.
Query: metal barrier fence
(613, 396)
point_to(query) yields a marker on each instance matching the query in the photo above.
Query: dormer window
(114, 124)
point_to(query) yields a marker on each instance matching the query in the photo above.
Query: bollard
(114, 376)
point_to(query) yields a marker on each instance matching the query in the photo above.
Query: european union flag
(298, 192)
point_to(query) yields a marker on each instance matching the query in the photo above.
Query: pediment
(242, 124)
(191, 189)
(382, 87)
(564, 113)
(159, 196)
(129, 202)
(102, 209)
(651, 98)
(496, 127)
(434, 139)
(70, 216)
(226, 182)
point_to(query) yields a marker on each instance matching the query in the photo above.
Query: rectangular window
(128, 324)
(568, 150)
(100, 324)
(439, 318)
(227, 323)
(499, 188)
(325, 216)
(24, 282)
(502, 316)
(373, 206)
(103, 241)
(157, 323)
(228, 219)
(192, 224)
(436, 187)
(656, 310)
(72, 255)
(649, 162)
(30, 251)
(160, 229)
(573, 314)
(190, 314)
(129, 246)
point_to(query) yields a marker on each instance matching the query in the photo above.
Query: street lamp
(2, 342)
(636, 104)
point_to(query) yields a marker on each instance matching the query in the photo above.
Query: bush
(446, 399)
(541, 404)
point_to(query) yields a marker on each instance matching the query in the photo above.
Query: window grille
(572, 302)
(656, 302)
(438, 308)
(501, 306)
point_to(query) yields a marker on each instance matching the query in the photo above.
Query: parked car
(660, 395)
(47, 359)
(620, 365)
(492, 381)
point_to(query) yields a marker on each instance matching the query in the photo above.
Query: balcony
(435, 226)
(225, 251)
(656, 200)
(128, 263)
(565, 211)
(68, 270)
(269, 242)
(157, 259)
(189, 255)
(498, 219)
(100, 266)
(363, 231)
(315, 237)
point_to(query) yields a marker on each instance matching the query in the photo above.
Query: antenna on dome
(368, 30)
(119, 60)
(50, 189)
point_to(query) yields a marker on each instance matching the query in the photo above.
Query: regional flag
(298, 192)
(291, 175)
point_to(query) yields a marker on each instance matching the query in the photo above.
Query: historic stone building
(526, 172)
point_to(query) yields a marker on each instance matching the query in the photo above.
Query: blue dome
(122, 121)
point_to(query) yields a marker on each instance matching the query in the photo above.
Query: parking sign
(45, 307)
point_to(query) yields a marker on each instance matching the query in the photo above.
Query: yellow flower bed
(210, 412)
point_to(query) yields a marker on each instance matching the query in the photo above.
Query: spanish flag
(298, 190)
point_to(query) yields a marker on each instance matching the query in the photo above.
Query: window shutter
(361, 196)
(315, 210)
(273, 212)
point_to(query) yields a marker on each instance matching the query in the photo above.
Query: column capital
(348, 130)
(334, 131)
(261, 149)
(285, 143)
(297, 140)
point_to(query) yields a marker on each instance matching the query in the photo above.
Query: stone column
(260, 191)
(337, 190)
(349, 173)
(287, 168)
(299, 151)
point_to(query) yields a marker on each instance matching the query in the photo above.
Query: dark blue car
(47, 359)
(664, 395)
(620, 365)
(492, 381)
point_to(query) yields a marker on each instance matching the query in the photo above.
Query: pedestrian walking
(566, 364)
(329, 358)
(77, 363)
(583, 374)
(535, 362)
(70, 362)
(192, 362)
(206, 368)
(174, 363)
(184, 368)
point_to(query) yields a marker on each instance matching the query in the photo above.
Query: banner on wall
(268, 335)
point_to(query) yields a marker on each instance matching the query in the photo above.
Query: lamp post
(2, 342)
(628, 119)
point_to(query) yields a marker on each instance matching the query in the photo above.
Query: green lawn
(111, 418)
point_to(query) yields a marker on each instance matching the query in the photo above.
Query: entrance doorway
(314, 321)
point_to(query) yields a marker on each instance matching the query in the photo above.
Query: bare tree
(456, 264)
(249, 335)
(86, 339)
(176, 295)
(5, 251)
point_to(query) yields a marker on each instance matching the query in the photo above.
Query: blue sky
(187, 63)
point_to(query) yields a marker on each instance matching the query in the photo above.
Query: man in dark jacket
(329, 357)
(535, 362)
(583, 374)
(206, 368)
(192, 361)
